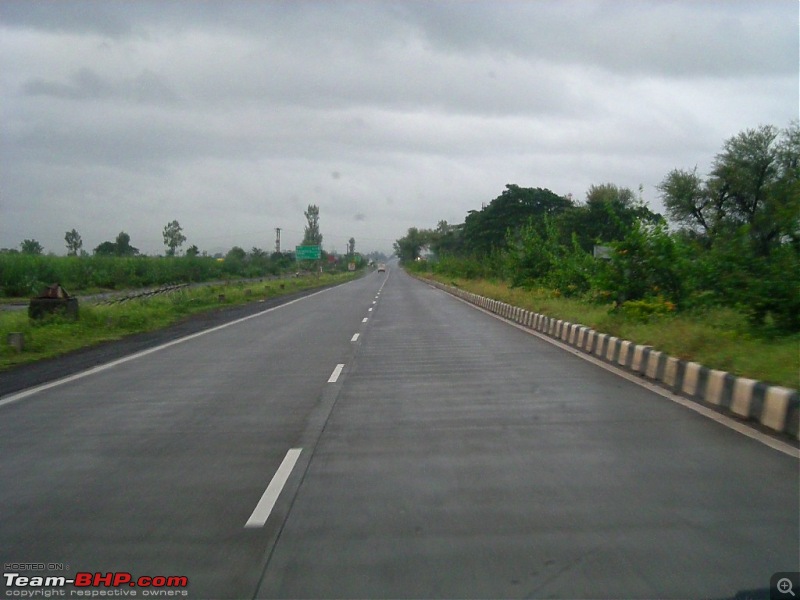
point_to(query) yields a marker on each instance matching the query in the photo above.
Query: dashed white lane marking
(370, 310)
(364, 320)
(267, 503)
(355, 337)
(336, 372)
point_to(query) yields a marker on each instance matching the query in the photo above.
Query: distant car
(381, 268)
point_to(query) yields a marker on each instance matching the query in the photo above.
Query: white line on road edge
(267, 503)
(364, 320)
(336, 372)
(119, 361)
(698, 408)
(354, 338)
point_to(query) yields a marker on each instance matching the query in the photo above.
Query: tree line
(119, 264)
(729, 239)
(121, 246)
(173, 240)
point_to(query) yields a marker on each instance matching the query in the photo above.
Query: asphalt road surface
(382, 439)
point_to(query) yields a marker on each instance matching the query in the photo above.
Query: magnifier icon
(785, 586)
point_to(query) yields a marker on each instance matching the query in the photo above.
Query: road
(452, 455)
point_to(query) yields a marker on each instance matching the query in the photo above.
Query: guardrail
(774, 407)
(168, 289)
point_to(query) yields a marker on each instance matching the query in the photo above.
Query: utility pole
(278, 240)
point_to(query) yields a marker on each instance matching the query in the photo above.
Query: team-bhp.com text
(115, 584)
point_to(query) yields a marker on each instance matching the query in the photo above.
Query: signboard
(603, 252)
(351, 266)
(307, 252)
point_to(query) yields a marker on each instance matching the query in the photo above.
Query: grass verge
(55, 335)
(719, 338)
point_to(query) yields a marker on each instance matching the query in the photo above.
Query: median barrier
(775, 407)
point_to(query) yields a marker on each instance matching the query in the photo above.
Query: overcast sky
(232, 117)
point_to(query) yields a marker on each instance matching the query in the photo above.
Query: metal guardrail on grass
(168, 289)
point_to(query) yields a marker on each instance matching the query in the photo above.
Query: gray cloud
(85, 84)
(233, 116)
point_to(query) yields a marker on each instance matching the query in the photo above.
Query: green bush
(647, 263)
(645, 311)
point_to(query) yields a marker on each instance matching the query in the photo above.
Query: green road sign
(307, 252)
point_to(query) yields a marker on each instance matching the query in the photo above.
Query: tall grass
(23, 275)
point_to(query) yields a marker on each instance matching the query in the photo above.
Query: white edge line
(264, 507)
(40, 388)
(354, 338)
(336, 372)
(698, 408)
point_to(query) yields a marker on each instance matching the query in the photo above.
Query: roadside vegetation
(119, 265)
(716, 281)
(26, 275)
(98, 323)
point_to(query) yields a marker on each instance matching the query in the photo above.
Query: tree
(173, 237)
(312, 235)
(120, 247)
(754, 184)
(258, 258)
(485, 230)
(409, 248)
(686, 200)
(351, 246)
(74, 242)
(609, 214)
(446, 239)
(123, 245)
(257, 253)
(236, 254)
(192, 250)
(106, 249)
(31, 247)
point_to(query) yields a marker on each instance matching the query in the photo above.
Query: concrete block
(600, 345)
(653, 359)
(691, 378)
(671, 367)
(742, 396)
(16, 340)
(589, 342)
(776, 408)
(715, 387)
(611, 350)
(638, 362)
(625, 352)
